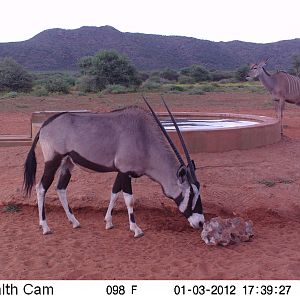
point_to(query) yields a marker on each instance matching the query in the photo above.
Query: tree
(197, 72)
(13, 77)
(296, 64)
(109, 67)
(169, 74)
(85, 64)
(241, 73)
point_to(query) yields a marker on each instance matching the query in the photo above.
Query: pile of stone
(224, 232)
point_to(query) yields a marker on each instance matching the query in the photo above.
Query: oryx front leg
(64, 179)
(129, 201)
(108, 216)
(62, 195)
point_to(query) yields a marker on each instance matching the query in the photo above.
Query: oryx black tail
(30, 168)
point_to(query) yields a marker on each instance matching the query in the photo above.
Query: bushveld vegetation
(109, 72)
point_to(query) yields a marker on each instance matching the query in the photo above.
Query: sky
(259, 21)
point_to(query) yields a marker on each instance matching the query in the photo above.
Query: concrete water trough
(203, 132)
(218, 132)
(209, 132)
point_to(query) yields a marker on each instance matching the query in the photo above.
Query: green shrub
(221, 75)
(13, 77)
(11, 208)
(155, 78)
(169, 74)
(109, 67)
(296, 64)
(241, 73)
(212, 87)
(9, 95)
(143, 76)
(53, 83)
(228, 80)
(196, 91)
(40, 91)
(57, 84)
(177, 88)
(87, 84)
(150, 85)
(185, 79)
(197, 72)
(118, 89)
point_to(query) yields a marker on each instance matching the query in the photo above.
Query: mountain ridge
(59, 49)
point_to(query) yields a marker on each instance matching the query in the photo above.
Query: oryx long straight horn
(164, 131)
(190, 162)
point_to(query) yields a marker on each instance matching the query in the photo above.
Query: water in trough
(207, 124)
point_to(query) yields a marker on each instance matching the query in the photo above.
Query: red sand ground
(233, 183)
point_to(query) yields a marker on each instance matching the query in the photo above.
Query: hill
(60, 49)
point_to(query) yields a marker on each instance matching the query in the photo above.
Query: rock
(223, 232)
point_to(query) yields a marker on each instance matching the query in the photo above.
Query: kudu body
(282, 86)
(127, 141)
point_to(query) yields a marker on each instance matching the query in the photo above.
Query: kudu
(282, 86)
(129, 141)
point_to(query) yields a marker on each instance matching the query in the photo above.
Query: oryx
(130, 141)
(282, 86)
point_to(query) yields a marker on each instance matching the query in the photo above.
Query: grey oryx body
(127, 141)
(282, 86)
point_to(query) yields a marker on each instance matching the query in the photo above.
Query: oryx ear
(181, 173)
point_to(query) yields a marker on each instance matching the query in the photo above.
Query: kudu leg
(61, 189)
(42, 187)
(282, 105)
(279, 107)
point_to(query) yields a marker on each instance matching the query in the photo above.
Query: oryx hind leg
(61, 189)
(50, 169)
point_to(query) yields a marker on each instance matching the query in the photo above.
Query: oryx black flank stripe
(78, 159)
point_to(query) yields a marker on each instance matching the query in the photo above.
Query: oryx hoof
(45, 228)
(76, 225)
(109, 226)
(139, 234)
(47, 231)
